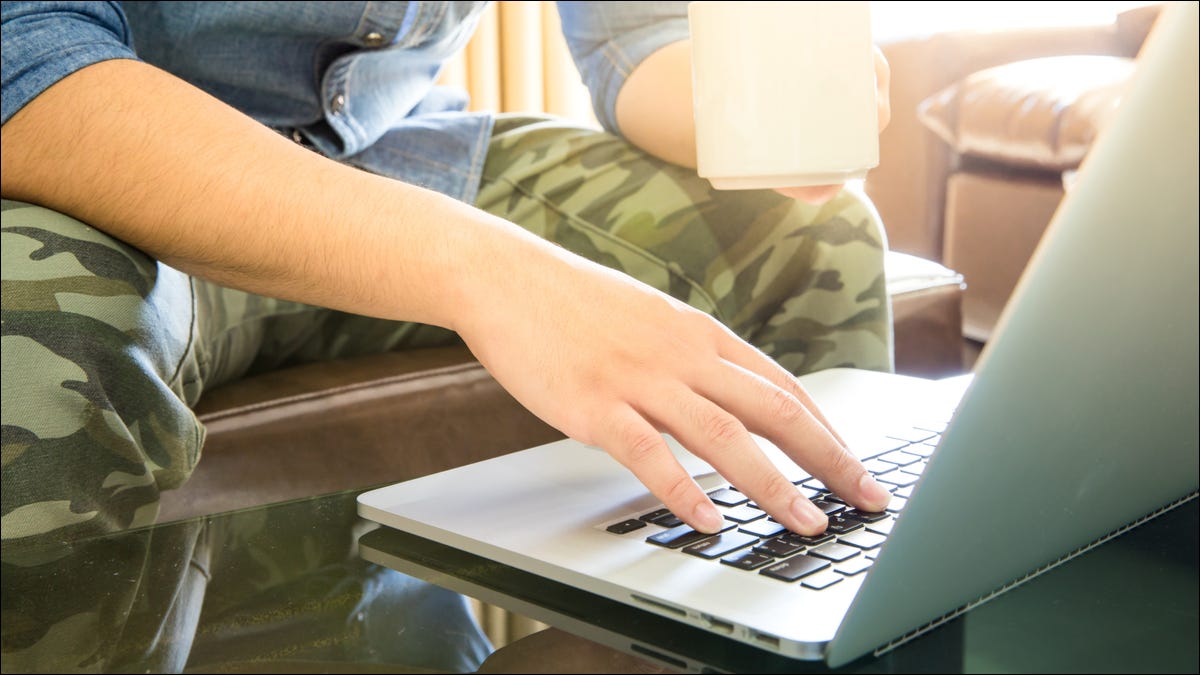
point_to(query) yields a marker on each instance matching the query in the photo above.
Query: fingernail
(873, 492)
(707, 518)
(809, 516)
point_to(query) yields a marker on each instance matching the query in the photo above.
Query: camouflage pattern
(105, 350)
(277, 589)
(803, 283)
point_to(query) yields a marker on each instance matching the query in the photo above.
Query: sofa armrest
(909, 185)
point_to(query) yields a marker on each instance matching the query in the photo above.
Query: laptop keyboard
(752, 541)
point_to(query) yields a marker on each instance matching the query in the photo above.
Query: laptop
(1079, 423)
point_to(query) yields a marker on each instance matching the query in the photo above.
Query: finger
(720, 439)
(883, 85)
(742, 353)
(637, 445)
(811, 194)
(777, 414)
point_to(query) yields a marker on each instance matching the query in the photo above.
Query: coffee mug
(783, 93)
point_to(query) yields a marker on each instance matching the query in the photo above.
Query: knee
(857, 209)
(850, 217)
(94, 331)
(89, 297)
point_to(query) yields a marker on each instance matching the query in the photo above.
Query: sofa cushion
(349, 424)
(1037, 114)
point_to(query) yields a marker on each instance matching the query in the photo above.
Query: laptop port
(717, 624)
(661, 605)
(768, 640)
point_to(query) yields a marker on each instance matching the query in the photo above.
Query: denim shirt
(353, 79)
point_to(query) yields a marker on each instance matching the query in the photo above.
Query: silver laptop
(1079, 422)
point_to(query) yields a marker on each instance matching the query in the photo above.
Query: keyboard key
(912, 435)
(833, 551)
(900, 457)
(744, 514)
(897, 477)
(794, 568)
(923, 449)
(915, 468)
(626, 526)
(719, 545)
(864, 516)
(821, 580)
(669, 520)
(841, 525)
(828, 507)
(747, 560)
(863, 539)
(804, 540)
(727, 497)
(809, 493)
(854, 566)
(878, 466)
(882, 445)
(657, 513)
(881, 526)
(778, 548)
(678, 537)
(762, 528)
(815, 484)
(896, 504)
(905, 492)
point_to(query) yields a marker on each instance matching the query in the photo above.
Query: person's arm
(636, 60)
(154, 161)
(654, 110)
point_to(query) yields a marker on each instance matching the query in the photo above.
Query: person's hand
(819, 194)
(613, 363)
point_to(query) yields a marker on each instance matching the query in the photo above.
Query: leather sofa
(986, 127)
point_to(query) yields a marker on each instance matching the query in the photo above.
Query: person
(196, 191)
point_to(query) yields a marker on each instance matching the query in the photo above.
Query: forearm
(210, 191)
(654, 107)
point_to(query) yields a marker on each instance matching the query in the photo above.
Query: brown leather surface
(928, 331)
(349, 424)
(1037, 113)
(909, 185)
(994, 222)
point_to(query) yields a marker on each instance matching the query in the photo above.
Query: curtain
(518, 61)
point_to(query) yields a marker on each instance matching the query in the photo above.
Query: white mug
(783, 93)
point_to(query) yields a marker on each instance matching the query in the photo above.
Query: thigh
(96, 339)
(106, 350)
(804, 283)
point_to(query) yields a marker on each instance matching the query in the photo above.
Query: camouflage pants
(105, 350)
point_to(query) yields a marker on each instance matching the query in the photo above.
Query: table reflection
(309, 587)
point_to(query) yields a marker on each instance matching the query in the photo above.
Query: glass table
(307, 586)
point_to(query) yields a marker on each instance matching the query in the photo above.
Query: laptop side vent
(949, 616)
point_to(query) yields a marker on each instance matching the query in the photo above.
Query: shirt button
(373, 39)
(338, 102)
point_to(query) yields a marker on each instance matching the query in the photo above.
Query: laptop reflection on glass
(1079, 423)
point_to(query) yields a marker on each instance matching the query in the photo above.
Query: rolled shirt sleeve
(43, 42)
(609, 39)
